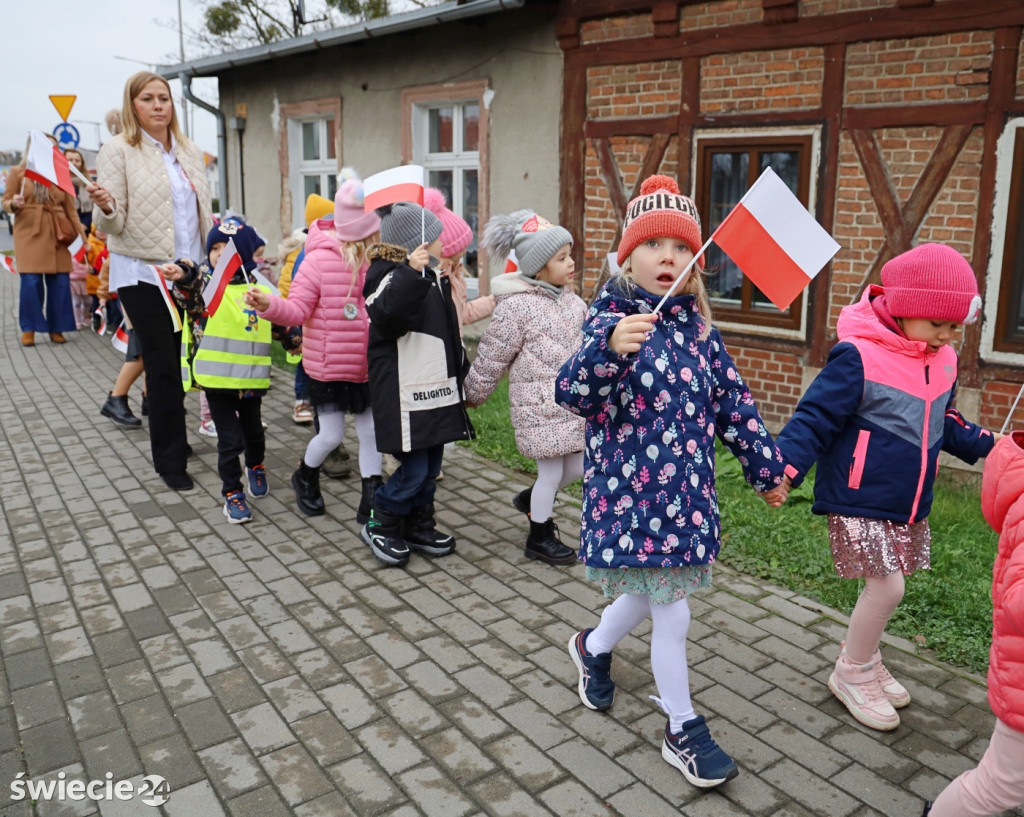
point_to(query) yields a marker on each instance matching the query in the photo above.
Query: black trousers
(239, 430)
(161, 355)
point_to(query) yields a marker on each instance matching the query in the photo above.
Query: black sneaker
(383, 533)
(596, 687)
(695, 753)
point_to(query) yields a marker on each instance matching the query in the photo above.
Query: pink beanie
(931, 281)
(351, 222)
(659, 210)
(456, 234)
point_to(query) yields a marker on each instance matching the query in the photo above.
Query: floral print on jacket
(651, 420)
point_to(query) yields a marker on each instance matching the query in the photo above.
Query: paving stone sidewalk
(276, 668)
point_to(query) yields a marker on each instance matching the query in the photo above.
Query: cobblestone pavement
(276, 668)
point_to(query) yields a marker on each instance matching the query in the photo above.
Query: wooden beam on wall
(571, 198)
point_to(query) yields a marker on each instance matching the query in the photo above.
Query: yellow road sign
(63, 104)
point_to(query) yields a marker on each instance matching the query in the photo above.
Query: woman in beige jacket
(153, 201)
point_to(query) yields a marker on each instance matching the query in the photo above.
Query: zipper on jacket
(924, 449)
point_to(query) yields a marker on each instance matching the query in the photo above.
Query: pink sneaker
(856, 685)
(891, 688)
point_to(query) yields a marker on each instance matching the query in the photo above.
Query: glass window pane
(310, 185)
(471, 127)
(332, 185)
(443, 181)
(728, 184)
(786, 165)
(310, 141)
(332, 152)
(440, 127)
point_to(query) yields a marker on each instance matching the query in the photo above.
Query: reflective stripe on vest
(186, 370)
(235, 350)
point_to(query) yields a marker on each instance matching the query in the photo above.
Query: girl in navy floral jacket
(655, 389)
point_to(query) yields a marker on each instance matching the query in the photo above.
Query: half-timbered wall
(909, 98)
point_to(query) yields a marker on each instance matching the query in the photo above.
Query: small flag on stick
(774, 240)
(227, 265)
(120, 339)
(46, 164)
(8, 263)
(101, 320)
(165, 293)
(77, 249)
(403, 183)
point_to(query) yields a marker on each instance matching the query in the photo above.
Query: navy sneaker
(695, 753)
(596, 687)
(235, 508)
(258, 485)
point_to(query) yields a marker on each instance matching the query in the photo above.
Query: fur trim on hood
(387, 252)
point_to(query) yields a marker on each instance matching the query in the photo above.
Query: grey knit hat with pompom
(408, 225)
(533, 237)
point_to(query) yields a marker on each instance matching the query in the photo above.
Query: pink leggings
(997, 784)
(878, 601)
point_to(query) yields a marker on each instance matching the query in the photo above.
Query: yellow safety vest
(235, 350)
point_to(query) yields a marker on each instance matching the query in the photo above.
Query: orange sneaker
(57, 337)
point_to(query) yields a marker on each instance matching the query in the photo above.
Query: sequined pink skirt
(863, 547)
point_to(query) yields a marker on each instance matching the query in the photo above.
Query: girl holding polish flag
(43, 261)
(655, 389)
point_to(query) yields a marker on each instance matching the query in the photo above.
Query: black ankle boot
(543, 544)
(421, 534)
(370, 486)
(521, 501)
(927, 808)
(145, 405)
(116, 408)
(383, 533)
(306, 482)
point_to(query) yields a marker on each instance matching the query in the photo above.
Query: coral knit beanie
(456, 234)
(659, 210)
(931, 281)
(317, 207)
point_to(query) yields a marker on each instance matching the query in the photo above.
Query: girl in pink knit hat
(874, 420)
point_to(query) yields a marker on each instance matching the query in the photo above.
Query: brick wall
(996, 398)
(616, 28)
(722, 13)
(953, 215)
(637, 89)
(817, 8)
(787, 79)
(773, 379)
(919, 71)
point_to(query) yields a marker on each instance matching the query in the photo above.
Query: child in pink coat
(328, 300)
(537, 325)
(997, 784)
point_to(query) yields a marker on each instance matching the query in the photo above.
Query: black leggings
(161, 351)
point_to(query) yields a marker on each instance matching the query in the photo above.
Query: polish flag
(403, 183)
(77, 249)
(7, 263)
(45, 163)
(774, 240)
(102, 328)
(227, 265)
(165, 293)
(120, 339)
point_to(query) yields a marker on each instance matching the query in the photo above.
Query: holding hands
(257, 299)
(631, 332)
(779, 494)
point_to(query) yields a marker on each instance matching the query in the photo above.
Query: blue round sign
(66, 135)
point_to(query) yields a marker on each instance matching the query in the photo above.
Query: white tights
(668, 647)
(332, 432)
(553, 473)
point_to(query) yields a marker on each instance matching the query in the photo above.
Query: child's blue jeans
(413, 483)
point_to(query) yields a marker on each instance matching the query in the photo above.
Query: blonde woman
(153, 201)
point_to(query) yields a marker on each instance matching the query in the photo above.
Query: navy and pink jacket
(875, 420)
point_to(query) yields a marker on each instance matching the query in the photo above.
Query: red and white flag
(120, 339)
(227, 265)
(8, 263)
(101, 327)
(774, 240)
(77, 249)
(46, 164)
(172, 309)
(403, 183)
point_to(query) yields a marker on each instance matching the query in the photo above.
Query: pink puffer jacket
(333, 345)
(1002, 502)
(531, 334)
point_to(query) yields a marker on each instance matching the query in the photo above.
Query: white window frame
(458, 161)
(325, 167)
